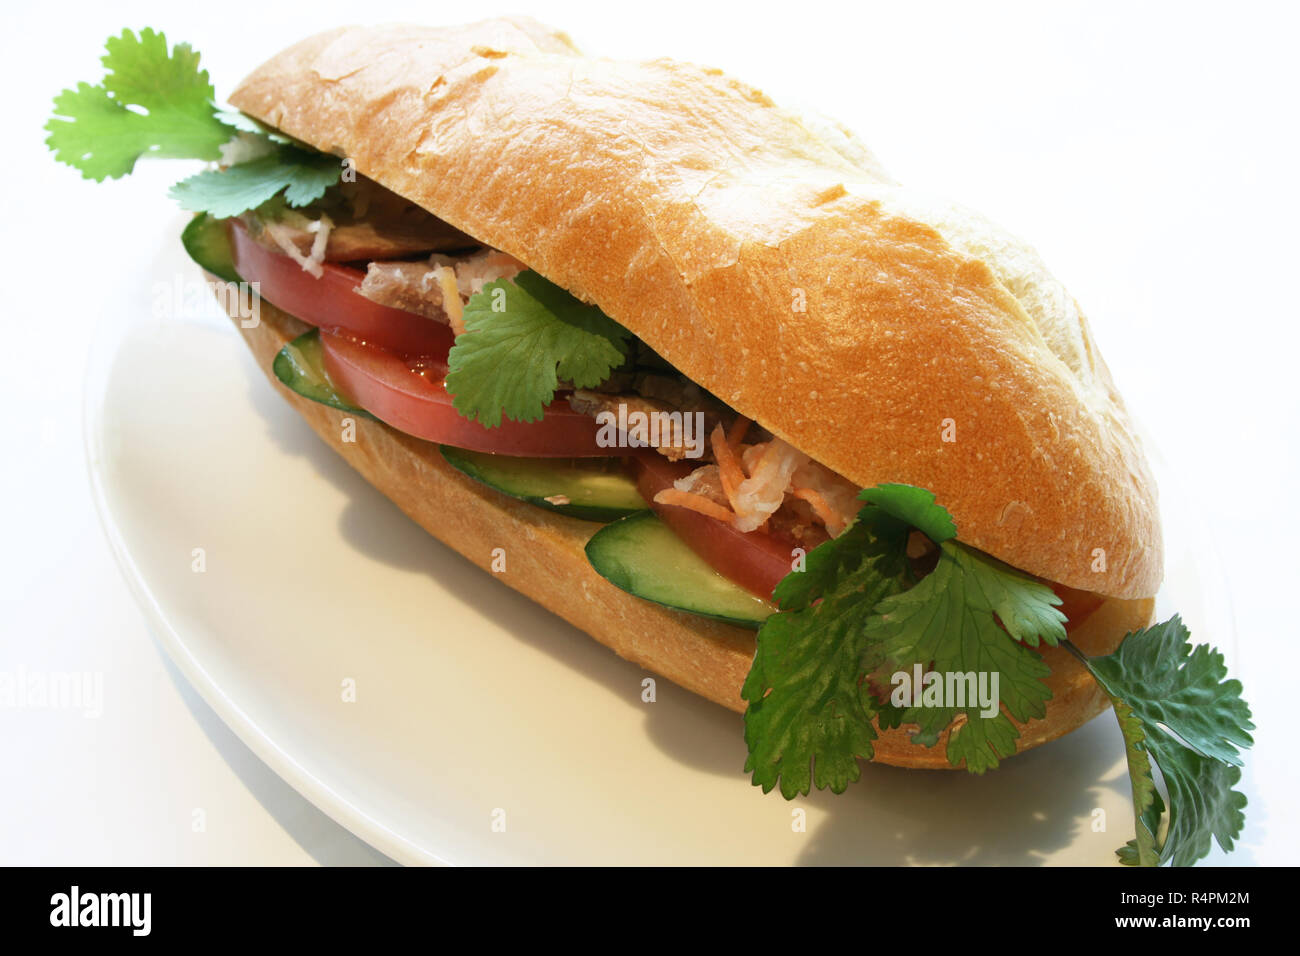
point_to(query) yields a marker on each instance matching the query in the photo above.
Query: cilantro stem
(1139, 767)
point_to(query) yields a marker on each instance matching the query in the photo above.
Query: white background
(1149, 151)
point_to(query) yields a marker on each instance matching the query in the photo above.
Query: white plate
(470, 699)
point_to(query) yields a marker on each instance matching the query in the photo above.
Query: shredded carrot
(693, 502)
(729, 469)
(821, 508)
(738, 430)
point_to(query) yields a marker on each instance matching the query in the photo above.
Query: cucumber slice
(596, 488)
(206, 242)
(299, 367)
(641, 555)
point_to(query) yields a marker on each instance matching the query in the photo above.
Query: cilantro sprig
(1176, 709)
(857, 613)
(158, 103)
(542, 335)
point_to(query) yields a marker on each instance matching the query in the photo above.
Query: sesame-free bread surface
(769, 258)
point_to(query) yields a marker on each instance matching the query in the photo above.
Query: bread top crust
(767, 257)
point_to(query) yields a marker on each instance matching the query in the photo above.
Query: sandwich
(692, 371)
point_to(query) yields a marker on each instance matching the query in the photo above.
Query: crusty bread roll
(769, 258)
(766, 257)
(545, 560)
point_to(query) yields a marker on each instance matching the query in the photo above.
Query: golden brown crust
(545, 560)
(703, 217)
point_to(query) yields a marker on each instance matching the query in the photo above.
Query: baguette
(546, 562)
(769, 259)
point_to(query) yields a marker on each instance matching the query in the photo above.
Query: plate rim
(104, 346)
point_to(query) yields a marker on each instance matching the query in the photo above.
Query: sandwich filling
(414, 262)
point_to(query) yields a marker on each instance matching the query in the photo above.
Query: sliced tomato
(411, 395)
(754, 560)
(331, 303)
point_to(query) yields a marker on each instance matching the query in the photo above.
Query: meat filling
(366, 221)
(768, 486)
(764, 484)
(439, 286)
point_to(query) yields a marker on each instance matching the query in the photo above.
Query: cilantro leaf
(949, 624)
(916, 507)
(303, 176)
(150, 103)
(1176, 709)
(810, 709)
(141, 71)
(871, 532)
(523, 336)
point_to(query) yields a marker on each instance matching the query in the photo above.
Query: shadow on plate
(1035, 805)
(328, 843)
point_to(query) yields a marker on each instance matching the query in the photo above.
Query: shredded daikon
(283, 237)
